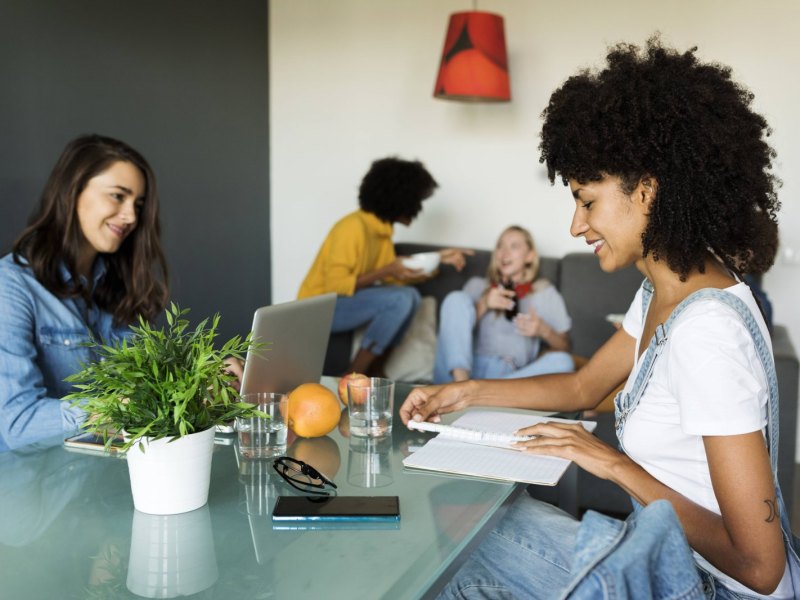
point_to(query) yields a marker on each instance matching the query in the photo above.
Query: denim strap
(625, 404)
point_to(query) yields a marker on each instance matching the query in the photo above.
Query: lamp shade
(474, 65)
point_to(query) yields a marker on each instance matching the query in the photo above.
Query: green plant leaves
(161, 382)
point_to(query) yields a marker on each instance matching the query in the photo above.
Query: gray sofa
(590, 295)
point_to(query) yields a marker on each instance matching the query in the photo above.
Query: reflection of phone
(335, 525)
(93, 443)
(337, 508)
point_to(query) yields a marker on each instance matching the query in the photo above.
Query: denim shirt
(40, 344)
(646, 556)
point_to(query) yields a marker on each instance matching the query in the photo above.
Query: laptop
(295, 339)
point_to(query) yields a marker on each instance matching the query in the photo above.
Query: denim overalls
(625, 404)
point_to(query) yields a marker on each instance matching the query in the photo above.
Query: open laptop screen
(295, 337)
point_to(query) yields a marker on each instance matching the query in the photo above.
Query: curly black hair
(394, 189)
(661, 113)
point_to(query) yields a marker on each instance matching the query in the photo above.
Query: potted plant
(164, 389)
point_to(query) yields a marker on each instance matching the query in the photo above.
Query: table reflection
(369, 463)
(171, 555)
(38, 482)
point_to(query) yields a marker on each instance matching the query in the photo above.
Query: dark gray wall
(183, 81)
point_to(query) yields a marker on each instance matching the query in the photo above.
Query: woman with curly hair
(357, 260)
(87, 266)
(669, 169)
(508, 324)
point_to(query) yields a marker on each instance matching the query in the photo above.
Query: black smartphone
(337, 508)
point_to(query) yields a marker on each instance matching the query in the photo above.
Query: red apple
(343, 384)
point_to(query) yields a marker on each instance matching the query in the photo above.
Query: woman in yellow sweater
(357, 260)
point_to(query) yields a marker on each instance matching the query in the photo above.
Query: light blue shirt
(41, 337)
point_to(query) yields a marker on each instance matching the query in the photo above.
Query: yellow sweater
(358, 243)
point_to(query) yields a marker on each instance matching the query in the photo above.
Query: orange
(314, 410)
(322, 453)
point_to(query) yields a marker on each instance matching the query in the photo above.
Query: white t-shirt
(708, 380)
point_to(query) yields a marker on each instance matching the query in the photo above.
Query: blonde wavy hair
(531, 269)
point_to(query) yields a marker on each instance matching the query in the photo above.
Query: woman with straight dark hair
(88, 265)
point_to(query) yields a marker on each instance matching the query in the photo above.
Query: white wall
(352, 80)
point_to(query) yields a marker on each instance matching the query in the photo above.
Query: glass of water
(371, 403)
(264, 437)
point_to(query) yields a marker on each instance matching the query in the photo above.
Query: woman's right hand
(428, 402)
(499, 298)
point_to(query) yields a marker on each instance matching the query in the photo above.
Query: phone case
(339, 509)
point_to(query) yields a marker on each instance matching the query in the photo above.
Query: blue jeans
(454, 349)
(528, 554)
(387, 308)
(539, 551)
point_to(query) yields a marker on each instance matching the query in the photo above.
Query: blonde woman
(499, 326)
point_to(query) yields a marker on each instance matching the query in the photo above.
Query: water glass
(264, 437)
(371, 403)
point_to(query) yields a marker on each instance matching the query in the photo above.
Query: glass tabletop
(68, 528)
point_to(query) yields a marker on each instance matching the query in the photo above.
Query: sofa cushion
(590, 294)
(412, 359)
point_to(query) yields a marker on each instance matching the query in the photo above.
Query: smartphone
(93, 443)
(337, 508)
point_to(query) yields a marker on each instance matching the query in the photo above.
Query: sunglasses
(303, 477)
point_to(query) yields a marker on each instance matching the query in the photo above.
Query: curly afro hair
(393, 189)
(660, 113)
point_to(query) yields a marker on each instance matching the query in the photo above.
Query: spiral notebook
(457, 453)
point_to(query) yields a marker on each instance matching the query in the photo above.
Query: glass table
(68, 528)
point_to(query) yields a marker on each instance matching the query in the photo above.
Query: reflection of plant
(106, 576)
(161, 382)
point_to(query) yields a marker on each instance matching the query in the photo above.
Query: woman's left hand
(455, 257)
(530, 324)
(573, 442)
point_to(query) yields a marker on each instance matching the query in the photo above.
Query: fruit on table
(344, 423)
(321, 452)
(313, 410)
(343, 384)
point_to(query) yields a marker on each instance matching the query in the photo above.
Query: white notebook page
(464, 458)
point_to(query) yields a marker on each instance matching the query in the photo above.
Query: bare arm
(745, 541)
(457, 257)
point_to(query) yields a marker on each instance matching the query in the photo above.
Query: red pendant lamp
(474, 65)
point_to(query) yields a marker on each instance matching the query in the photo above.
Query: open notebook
(446, 453)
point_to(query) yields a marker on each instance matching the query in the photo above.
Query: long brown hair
(136, 275)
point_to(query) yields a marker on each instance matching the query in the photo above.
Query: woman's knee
(457, 299)
(406, 299)
(558, 362)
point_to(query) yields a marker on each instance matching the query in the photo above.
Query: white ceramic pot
(171, 555)
(171, 477)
